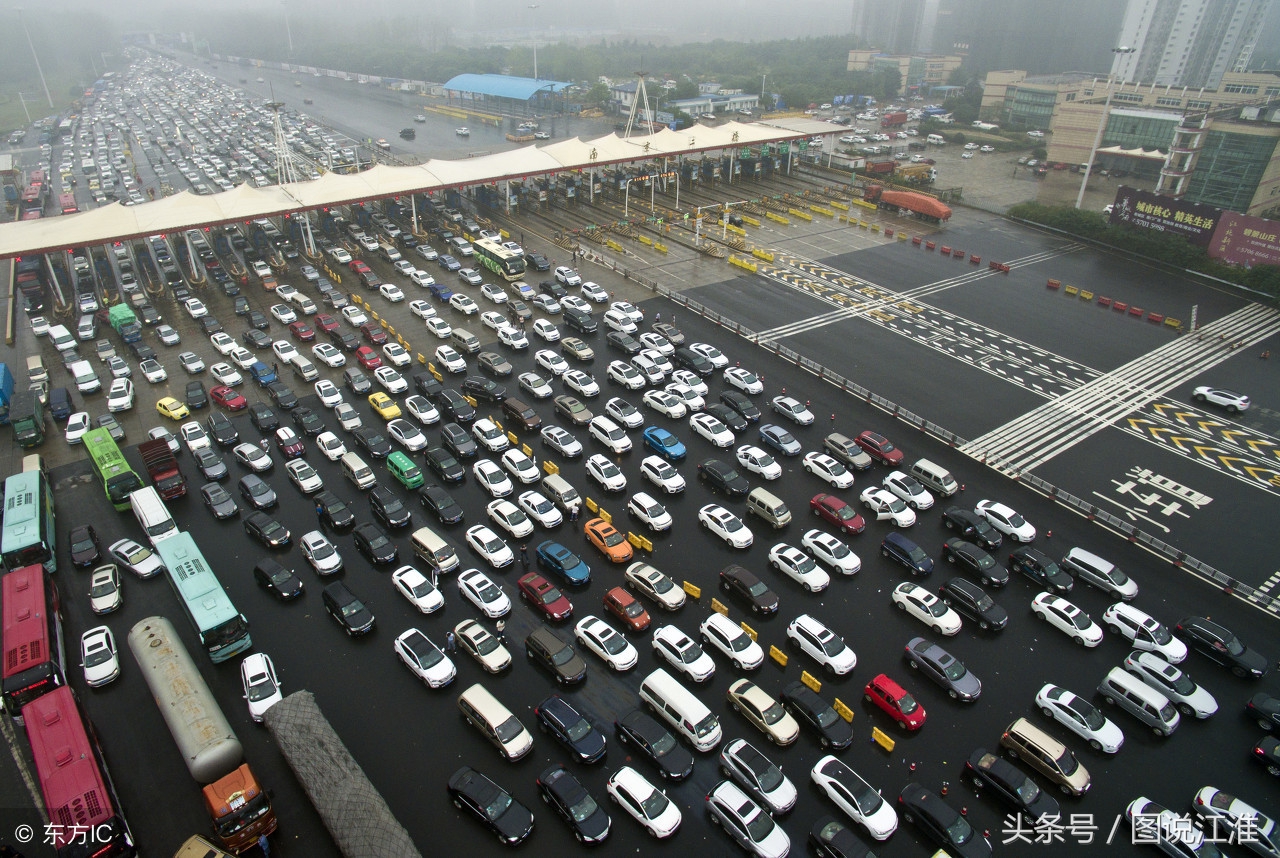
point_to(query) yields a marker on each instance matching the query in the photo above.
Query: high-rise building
(1190, 43)
(897, 26)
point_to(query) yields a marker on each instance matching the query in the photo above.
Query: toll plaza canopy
(186, 210)
(503, 86)
(919, 203)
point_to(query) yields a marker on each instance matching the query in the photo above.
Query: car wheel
(914, 665)
(815, 512)
(578, 835)
(952, 694)
(901, 607)
(983, 624)
(457, 804)
(1240, 672)
(937, 628)
(825, 742)
(733, 705)
(1274, 771)
(902, 725)
(724, 585)
(1113, 628)
(1231, 409)
(1079, 640)
(1185, 709)
(1011, 752)
(909, 817)
(772, 738)
(1264, 724)
(1109, 699)
(1095, 744)
(951, 558)
(1066, 790)
(807, 586)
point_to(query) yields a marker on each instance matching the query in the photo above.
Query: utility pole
(533, 7)
(35, 57)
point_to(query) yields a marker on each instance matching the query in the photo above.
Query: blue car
(563, 563)
(779, 439)
(262, 373)
(663, 443)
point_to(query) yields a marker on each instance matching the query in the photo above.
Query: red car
(359, 267)
(302, 332)
(368, 358)
(880, 448)
(836, 512)
(228, 398)
(894, 699)
(325, 322)
(624, 606)
(290, 444)
(377, 336)
(545, 596)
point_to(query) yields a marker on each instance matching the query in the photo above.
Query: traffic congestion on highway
(564, 561)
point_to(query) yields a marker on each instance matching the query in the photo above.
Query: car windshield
(917, 554)
(1233, 645)
(564, 656)
(758, 589)
(498, 806)
(827, 716)
(959, 831)
(759, 827)
(660, 584)
(487, 644)
(583, 809)
(260, 687)
(488, 592)
(612, 643)
(609, 470)
(136, 554)
(1182, 685)
(82, 544)
(1081, 620)
(633, 610)
(954, 670)
(983, 602)
(833, 645)
(616, 538)
(509, 729)
(104, 587)
(1016, 520)
(937, 608)
(1157, 632)
(655, 805)
(845, 513)
(1087, 713)
(551, 594)
(907, 704)
(706, 726)
(1067, 763)
(985, 561)
(731, 524)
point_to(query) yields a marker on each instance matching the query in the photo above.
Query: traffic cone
(1048, 534)
(944, 787)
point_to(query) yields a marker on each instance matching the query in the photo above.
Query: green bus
(109, 466)
(223, 630)
(29, 530)
(504, 262)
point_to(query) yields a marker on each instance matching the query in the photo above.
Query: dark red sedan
(228, 398)
(325, 322)
(302, 332)
(290, 445)
(545, 596)
(368, 358)
(359, 267)
(836, 512)
(377, 336)
(880, 448)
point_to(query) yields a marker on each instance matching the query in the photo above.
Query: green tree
(597, 95)
(685, 88)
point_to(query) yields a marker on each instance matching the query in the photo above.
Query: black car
(346, 609)
(344, 340)
(972, 527)
(746, 586)
(222, 430)
(388, 508)
(691, 360)
(426, 384)
(356, 381)
(210, 464)
(494, 364)
(257, 492)
(1010, 784)
(264, 418)
(898, 548)
(567, 726)
(723, 478)
(441, 504)
(375, 545)
(831, 838)
(149, 315)
(545, 649)
(277, 580)
(537, 261)
(446, 467)
(1221, 645)
(258, 321)
(85, 550)
(496, 808)
(1037, 566)
(373, 441)
(308, 422)
(483, 389)
(728, 416)
(333, 511)
(60, 404)
(552, 288)
(256, 339)
(739, 402)
(458, 441)
(196, 396)
(1264, 709)
(941, 823)
(453, 407)
(579, 321)
(219, 501)
(817, 715)
(140, 350)
(569, 798)
(624, 343)
(650, 739)
(284, 398)
(974, 561)
(971, 601)
(241, 306)
(1267, 752)
(209, 325)
(267, 530)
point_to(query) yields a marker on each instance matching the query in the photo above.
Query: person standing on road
(450, 642)
(524, 556)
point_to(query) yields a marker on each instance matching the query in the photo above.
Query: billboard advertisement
(1145, 210)
(1245, 240)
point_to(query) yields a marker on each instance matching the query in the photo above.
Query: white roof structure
(186, 210)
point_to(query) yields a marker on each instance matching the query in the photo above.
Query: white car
(649, 582)
(821, 644)
(658, 343)
(478, 589)
(1006, 520)
(196, 308)
(1067, 618)
(573, 302)
(561, 441)
(120, 396)
(551, 362)
(77, 425)
(1080, 717)
(243, 358)
(747, 382)
(1190, 698)
(725, 525)
(799, 567)
(339, 254)
(348, 417)
(693, 400)
(1144, 632)
(909, 489)
(286, 292)
(491, 478)
(520, 467)
(648, 369)
(620, 372)
(320, 553)
(547, 304)
(710, 428)
(483, 646)
(194, 437)
(828, 469)
(489, 436)
(153, 371)
(606, 642)
(225, 373)
(621, 322)
(421, 278)
(493, 320)
(546, 330)
(105, 594)
(567, 276)
(396, 355)
(406, 434)
(606, 474)
(98, 657)
(623, 413)
(857, 798)
(663, 402)
(662, 474)
(609, 434)
(452, 361)
(284, 314)
(594, 292)
(139, 560)
(422, 409)
(510, 518)
(1230, 400)
(490, 546)
(887, 506)
(758, 462)
(330, 446)
(541, 510)
(191, 362)
(439, 328)
(284, 350)
(927, 608)
(690, 379)
(642, 800)
(422, 309)
(648, 510)
(328, 355)
(711, 353)
(223, 342)
(629, 310)
(494, 293)
(391, 381)
(513, 338)
(328, 393)
(355, 316)
(535, 385)
(735, 644)
(261, 687)
(681, 652)
(580, 382)
(793, 410)
(831, 551)
(427, 661)
(463, 304)
(304, 476)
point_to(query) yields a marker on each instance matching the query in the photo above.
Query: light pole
(533, 7)
(287, 29)
(1102, 125)
(24, 106)
(35, 57)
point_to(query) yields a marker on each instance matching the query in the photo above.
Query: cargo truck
(162, 468)
(893, 119)
(125, 322)
(916, 174)
(6, 392)
(26, 416)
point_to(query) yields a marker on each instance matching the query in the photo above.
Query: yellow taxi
(174, 409)
(606, 537)
(385, 406)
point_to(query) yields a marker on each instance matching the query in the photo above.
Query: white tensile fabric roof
(187, 210)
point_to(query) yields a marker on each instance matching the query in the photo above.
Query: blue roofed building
(499, 93)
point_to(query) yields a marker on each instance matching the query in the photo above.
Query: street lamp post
(533, 7)
(24, 107)
(35, 57)
(1102, 125)
(287, 29)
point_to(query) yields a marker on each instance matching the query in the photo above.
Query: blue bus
(29, 528)
(223, 630)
